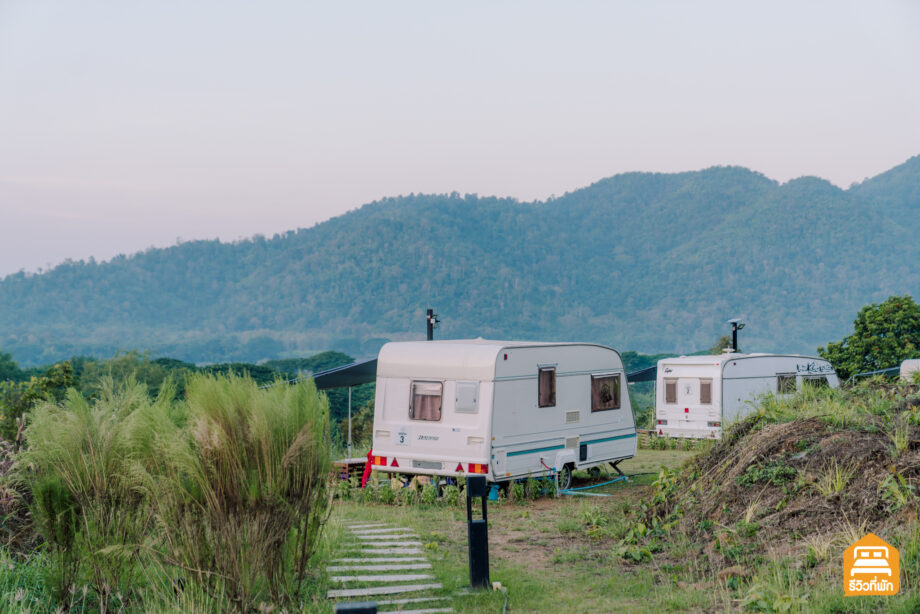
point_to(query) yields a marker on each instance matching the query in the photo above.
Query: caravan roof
(460, 359)
(721, 359)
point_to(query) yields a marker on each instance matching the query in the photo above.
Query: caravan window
(547, 387)
(785, 384)
(816, 381)
(605, 392)
(670, 391)
(706, 392)
(426, 401)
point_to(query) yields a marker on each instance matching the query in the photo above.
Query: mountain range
(644, 261)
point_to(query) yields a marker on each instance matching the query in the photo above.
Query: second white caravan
(505, 409)
(696, 396)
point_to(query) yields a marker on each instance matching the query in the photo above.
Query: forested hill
(651, 262)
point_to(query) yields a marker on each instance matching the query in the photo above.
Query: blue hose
(575, 491)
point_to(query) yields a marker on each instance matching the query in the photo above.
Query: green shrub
(387, 495)
(429, 494)
(451, 495)
(776, 473)
(517, 492)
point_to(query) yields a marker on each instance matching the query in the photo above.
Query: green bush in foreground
(219, 499)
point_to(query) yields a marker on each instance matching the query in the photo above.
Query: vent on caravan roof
(572, 416)
(571, 442)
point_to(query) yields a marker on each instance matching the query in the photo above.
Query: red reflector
(478, 468)
(659, 422)
(380, 460)
(686, 410)
(660, 432)
(718, 424)
(506, 357)
(394, 463)
(459, 468)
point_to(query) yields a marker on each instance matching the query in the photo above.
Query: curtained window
(547, 387)
(706, 392)
(605, 392)
(670, 391)
(426, 401)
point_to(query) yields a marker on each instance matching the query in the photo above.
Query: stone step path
(385, 561)
(375, 567)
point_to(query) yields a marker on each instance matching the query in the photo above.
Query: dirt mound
(795, 478)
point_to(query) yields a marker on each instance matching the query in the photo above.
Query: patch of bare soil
(531, 533)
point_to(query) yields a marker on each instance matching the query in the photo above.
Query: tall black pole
(735, 336)
(430, 324)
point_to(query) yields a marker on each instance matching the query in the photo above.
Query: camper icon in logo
(871, 567)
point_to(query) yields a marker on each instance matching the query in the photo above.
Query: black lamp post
(737, 325)
(433, 322)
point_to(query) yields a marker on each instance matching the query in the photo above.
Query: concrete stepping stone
(406, 577)
(425, 611)
(389, 541)
(386, 536)
(372, 525)
(380, 559)
(384, 567)
(381, 590)
(377, 531)
(392, 551)
(397, 544)
(406, 600)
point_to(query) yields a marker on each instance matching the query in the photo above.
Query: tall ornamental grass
(87, 482)
(249, 513)
(222, 495)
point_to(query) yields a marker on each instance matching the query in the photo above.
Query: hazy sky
(130, 124)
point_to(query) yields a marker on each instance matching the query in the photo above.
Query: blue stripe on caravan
(519, 452)
(611, 438)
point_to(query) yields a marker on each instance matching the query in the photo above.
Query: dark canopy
(643, 375)
(348, 375)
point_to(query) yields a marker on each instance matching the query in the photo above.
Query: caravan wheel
(564, 478)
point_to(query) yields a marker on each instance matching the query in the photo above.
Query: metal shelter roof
(349, 375)
(643, 375)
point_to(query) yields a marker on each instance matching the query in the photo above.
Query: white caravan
(908, 368)
(695, 396)
(505, 409)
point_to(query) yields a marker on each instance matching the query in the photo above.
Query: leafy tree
(724, 342)
(883, 336)
(9, 370)
(16, 398)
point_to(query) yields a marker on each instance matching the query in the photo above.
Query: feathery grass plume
(87, 482)
(256, 494)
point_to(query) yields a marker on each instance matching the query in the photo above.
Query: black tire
(564, 478)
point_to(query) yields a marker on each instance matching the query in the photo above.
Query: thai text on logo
(871, 566)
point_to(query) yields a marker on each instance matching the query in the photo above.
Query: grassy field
(543, 551)
(597, 554)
